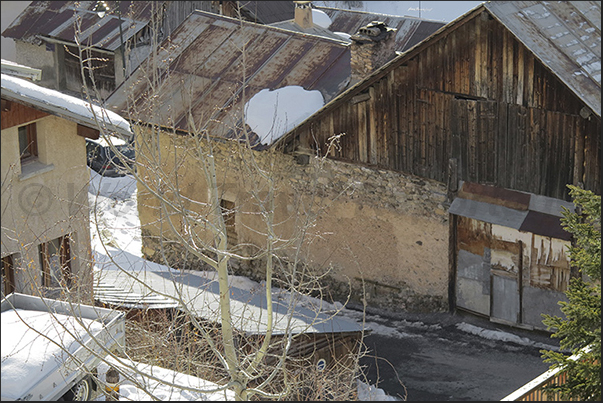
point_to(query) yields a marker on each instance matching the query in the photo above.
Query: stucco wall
(37, 56)
(50, 203)
(384, 227)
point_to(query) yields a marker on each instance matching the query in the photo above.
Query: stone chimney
(372, 46)
(303, 14)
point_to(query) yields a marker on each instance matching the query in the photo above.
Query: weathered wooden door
(505, 262)
(472, 282)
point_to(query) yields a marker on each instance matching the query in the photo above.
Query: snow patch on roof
(270, 114)
(320, 18)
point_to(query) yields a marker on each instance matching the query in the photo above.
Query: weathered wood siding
(16, 114)
(477, 95)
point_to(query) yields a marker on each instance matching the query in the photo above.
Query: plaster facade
(386, 228)
(43, 200)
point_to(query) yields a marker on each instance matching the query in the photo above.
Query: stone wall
(384, 228)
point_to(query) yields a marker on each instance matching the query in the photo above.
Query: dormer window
(28, 142)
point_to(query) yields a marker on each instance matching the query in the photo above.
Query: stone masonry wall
(375, 230)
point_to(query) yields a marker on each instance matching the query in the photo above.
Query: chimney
(372, 46)
(303, 14)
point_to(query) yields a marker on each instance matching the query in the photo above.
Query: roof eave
(64, 113)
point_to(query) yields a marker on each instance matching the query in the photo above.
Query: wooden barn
(506, 95)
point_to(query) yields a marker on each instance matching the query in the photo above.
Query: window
(28, 142)
(228, 212)
(55, 257)
(8, 275)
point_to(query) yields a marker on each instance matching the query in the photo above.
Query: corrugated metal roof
(511, 208)
(564, 35)
(56, 19)
(201, 295)
(411, 30)
(113, 294)
(291, 25)
(268, 12)
(201, 68)
(486, 212)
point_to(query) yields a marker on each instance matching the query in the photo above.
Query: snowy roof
(202, 66)
(18, 70)
(65, 106)
(145, 284)
(564, 35)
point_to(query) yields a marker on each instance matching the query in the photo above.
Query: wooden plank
(520, 74)
(372, 127)
(578, 166)
(20, 114)
(362, 131)
(501, 171)
(472, 155)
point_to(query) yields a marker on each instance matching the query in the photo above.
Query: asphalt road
(436, 361)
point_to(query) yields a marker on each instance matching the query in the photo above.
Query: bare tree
(193, 228)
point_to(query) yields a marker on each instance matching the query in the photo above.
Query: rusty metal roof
(201, 68)
(564, 35)
(522, 211)
(268, 12)
(56, 19)
(411, 30)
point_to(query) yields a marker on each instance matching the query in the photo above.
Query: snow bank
(372, 393)
(113, 202)
(270, 114)
(152, 389)
(27, 355)
(502, 336)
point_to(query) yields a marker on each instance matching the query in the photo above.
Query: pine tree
(580, 331)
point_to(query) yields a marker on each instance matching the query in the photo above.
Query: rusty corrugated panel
(268, 12)
(545, 225)
(564, 35)
(495, 195)
(202, 67)
(489, 213)
(526, 212)
(411, 30)
(56, 19)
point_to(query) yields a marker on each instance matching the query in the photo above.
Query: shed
(509, 254)
(319, 334)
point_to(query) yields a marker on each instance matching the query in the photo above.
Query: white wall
(10, 11)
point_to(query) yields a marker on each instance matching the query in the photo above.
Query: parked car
(104, 160)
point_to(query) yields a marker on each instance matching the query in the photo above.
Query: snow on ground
(114, 200)
(287, 107)
(137, 384)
